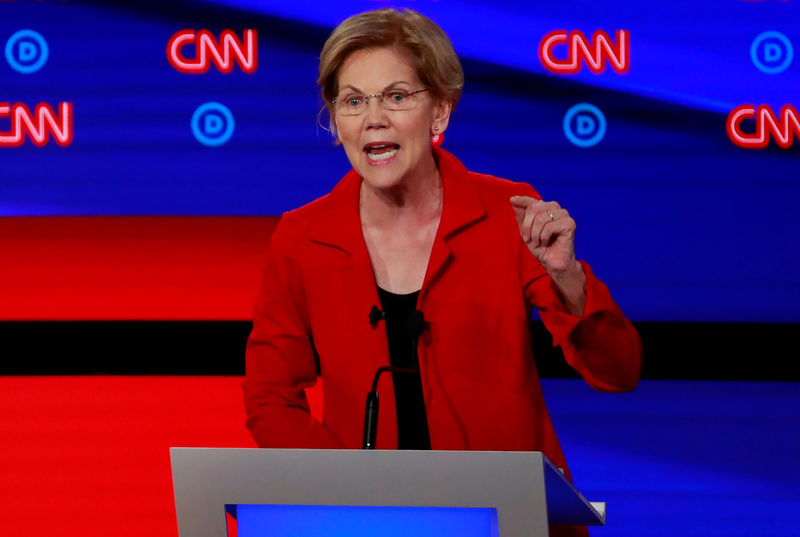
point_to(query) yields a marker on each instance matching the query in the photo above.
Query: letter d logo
(212, 124)
(584, 125)
(771, 52)
(26, 51)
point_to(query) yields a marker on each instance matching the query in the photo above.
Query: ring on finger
(551, 215)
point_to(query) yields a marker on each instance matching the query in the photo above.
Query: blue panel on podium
(346, 521)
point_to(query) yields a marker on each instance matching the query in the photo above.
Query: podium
(518, 494)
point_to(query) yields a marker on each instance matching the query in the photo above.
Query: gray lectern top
(525, 488)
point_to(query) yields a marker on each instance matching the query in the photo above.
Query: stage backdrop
(669, 130)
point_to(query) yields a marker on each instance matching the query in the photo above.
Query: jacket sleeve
(280, 357)
(602, 344)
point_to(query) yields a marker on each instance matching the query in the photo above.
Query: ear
(441, 116)
(331, 127)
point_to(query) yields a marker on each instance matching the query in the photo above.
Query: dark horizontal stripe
(123, 347)
(684, 351)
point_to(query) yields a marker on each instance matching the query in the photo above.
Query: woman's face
(387, 147)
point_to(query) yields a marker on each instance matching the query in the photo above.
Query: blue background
(684, 458)
(677, 220)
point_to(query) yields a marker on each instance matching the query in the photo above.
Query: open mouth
(381, 150)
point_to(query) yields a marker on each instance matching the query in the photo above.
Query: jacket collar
(339, 224)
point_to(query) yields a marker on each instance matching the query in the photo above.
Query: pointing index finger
(523, 201)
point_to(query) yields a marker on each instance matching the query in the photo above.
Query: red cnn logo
(784, 127)
(595, 52)
(207, 49)
(38, 125)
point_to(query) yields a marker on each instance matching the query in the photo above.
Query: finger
(563, 226)
(519, 213)
(520, 205)
(522, 201)
(547, 212)
(527, 224)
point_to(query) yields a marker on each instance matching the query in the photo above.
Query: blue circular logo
(771, 52)
(26, 51)
(584, 125)
(212, 124)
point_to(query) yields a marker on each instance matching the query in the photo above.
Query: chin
(381, 179)
(381, 176)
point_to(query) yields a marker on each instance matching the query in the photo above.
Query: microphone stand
(417, 325)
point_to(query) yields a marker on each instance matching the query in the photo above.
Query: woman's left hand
(549, 233)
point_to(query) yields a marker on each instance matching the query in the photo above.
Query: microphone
(376, 315)
(416, 326)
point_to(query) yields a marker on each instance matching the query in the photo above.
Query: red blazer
(479, 380)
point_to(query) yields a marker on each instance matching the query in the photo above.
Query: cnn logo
(39, 126)
(595, 53)
(205, 50)
(783, 127)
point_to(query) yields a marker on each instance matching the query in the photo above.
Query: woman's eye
(398, 96)
(353, 101)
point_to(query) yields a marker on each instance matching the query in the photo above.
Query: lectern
(383, 492)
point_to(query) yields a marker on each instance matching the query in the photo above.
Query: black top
(412, 424)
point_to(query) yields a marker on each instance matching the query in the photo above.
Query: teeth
(382, 156)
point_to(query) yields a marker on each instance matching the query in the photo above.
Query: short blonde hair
(427, 46)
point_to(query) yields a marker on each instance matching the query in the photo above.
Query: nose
(375, 115)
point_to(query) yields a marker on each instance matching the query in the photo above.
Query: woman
(409, 228)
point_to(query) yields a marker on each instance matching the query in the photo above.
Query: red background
(90, 455)
(131, 268)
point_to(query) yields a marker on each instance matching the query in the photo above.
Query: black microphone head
(375, 315)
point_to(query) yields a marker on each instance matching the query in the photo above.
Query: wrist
(571, 284)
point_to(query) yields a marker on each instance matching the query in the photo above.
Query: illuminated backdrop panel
(668, 129)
